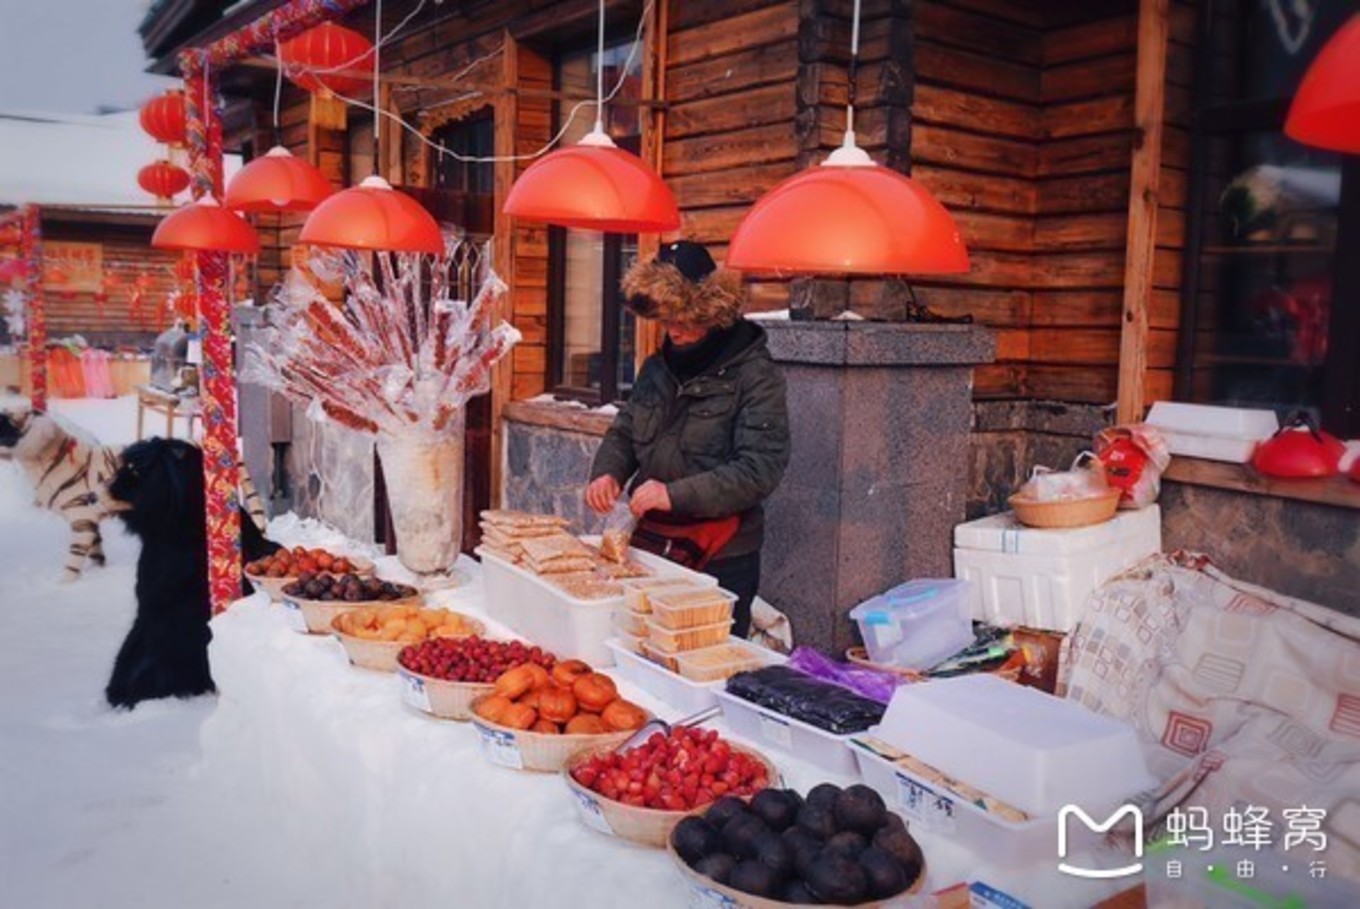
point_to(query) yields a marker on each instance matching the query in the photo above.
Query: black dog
(158, 491)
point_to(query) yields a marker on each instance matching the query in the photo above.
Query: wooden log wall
(1023, 127)
(731, 68)
(127, 254)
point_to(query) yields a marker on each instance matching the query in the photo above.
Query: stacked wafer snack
(542, 544)
(504, 532)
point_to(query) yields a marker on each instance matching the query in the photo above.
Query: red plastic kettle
(1299, 449)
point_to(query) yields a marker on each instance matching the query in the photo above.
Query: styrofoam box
(546, 615)
(1215, 433)
(1041, 578)
(676, 690)
(937, 810)
(760, 725)
(1020, 745)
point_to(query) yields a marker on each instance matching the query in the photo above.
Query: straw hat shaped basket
(274, 586)
(320, 614)
(708, 892)
(440, 697)
(521, 749)
(648, 826)
(382, 655)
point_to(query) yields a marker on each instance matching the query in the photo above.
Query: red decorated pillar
(30, 239)
(204, 134)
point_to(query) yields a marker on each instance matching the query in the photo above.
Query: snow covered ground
(99, 807)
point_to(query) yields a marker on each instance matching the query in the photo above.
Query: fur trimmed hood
(658, 290)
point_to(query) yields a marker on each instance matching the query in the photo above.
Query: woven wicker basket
(705, 888)
(1067, 512)
(537, 751)
(320, 614)
(648, 826)
(382, 655)
(447, 700)
(274, 586)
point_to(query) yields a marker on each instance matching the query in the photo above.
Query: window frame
(611, 298)
(1339, 406)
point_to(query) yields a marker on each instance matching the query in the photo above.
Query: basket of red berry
(443, 676)
(641, 793)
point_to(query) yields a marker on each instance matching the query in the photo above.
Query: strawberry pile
(471, 659)
(676, 772)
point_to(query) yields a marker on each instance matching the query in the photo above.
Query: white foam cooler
(1041, 578)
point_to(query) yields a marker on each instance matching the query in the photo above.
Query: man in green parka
(704, 438)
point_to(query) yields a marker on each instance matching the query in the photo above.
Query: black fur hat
(682, 284)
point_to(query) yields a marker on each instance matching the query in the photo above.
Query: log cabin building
(1139, 228)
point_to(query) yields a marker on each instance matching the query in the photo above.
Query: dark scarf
(720, 345)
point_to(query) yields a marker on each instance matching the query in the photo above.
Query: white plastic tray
(679, 692)
(939, 811)
(546, 615)
(760, 725)
(1029, 749)
(676, 690)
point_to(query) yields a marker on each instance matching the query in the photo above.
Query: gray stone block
(814, 298)
(909, 344)
(807, 343)
(816, 420)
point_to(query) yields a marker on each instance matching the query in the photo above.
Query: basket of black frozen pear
(836, 847)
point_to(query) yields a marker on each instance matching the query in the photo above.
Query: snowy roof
(86, 160)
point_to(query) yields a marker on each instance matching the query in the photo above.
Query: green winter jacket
(720, 441)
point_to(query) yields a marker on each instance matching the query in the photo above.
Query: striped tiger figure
(68, 475)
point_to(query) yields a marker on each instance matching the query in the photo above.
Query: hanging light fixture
(594, 185)
(373, 215)
(1325, 112)
(205, 226)
(277, 181)
(848, 215)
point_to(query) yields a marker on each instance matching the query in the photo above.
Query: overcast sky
(73, 56)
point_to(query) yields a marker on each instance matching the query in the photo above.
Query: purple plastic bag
(874, 684)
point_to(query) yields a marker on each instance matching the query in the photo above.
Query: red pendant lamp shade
(328, 47)
(163, 118)
(277, 181)
(848, 216)
(1326, 108)
(204, 226)
(594, 185)
(163, 179)
(375, 216)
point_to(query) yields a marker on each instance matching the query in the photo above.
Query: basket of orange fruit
(273, 572)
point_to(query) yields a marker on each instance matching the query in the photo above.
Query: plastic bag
(1085, 480)
(874, 684)
(617, 533)
(1134, 457)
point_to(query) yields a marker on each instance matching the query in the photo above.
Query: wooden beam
(503, 251)
(1145, 181)
(647, 333)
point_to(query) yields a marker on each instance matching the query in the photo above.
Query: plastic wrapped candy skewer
(399, 363)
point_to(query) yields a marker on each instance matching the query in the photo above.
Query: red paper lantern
(163, 180)
(163, 117)
(594, 185)
(324, 58)
(1326, 109)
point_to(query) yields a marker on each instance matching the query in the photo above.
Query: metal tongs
(659, 725)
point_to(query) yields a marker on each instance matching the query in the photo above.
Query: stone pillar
(880, 415)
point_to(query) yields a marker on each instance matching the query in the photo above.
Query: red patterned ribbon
(31, 247)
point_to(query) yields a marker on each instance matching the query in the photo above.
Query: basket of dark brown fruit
(836, 847)
(314, 600)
